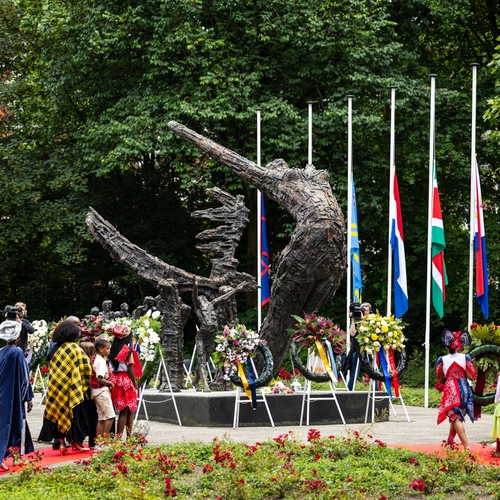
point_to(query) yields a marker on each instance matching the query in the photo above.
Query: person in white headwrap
(15, 393)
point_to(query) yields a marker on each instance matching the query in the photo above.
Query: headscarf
(455, 340)
(10, 330)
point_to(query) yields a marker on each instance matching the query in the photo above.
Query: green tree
(89, 89)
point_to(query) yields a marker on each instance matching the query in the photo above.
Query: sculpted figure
(215, 303)
(148, 304)
(106, 310)
(313, 263)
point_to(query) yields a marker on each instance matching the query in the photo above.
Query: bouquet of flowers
(233, 346)
(485, 335)
(377, 331)
(38, 339)
(147, 329)
(312, 327)
(90, 328)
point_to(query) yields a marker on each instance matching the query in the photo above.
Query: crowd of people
(87, 382)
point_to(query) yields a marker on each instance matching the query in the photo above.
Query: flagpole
(392, 167)
(259, 232)
(349, 217)
(309, 137)
(472, 193)
(429, 240)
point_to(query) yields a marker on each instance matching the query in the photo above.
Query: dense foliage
(88, 88)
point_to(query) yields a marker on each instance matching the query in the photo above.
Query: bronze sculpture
(311, 266)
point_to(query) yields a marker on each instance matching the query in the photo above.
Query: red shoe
(63, 450)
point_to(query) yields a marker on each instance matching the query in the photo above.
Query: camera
(11, 314)
(356, 310)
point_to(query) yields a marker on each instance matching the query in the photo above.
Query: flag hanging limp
(480, 249)
(439, 278)
(264, 257)
(398, 253)
(357, 284)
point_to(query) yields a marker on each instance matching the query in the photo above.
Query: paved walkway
(397, 430)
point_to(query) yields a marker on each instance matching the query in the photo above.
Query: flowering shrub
(233, 346)
(38, 339)
(377, 331)
(284, 467)
(311, 328)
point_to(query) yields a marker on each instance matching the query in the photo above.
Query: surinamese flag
(439, 278)
(357, 284)
(264, 257)
(398, 253)
(480, 249)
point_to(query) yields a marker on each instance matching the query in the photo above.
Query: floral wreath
(322, 336)
(380, 337)
(234, 346)
(312, 328)
(377, 331)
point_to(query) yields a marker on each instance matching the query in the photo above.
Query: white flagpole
(349, 216)
(392, 167)
(309, 139)
(472, 192)
(259, 233)
(427, 344)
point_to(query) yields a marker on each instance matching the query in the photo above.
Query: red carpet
(481, 453)
(50, 457)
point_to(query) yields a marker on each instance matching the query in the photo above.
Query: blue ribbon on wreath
(251, 383)
(385, 370)
(333, 364)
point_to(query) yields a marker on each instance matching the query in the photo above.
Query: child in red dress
(124, 393)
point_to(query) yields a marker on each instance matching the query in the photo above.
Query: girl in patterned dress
(122, 358)
(452, 371)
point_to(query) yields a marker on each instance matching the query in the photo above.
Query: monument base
(216, 409)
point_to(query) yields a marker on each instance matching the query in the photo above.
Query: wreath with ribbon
(381, 340)
(378, 374)
(235, 347)
(309, 374)
(477, 353)
(321, 336)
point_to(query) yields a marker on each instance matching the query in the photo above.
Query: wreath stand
(188, 371)
(373, 397)
(239, 401)
(306, 398)
(143, 402)
(38, 375)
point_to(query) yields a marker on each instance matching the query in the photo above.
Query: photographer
(356, 312)
(18, 313)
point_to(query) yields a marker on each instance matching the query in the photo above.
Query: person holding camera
(356, 313)
(26, 327)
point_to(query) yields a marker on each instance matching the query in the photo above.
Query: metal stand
(143, 402)
(188, 371)
(38, 374)
(372, 397)
(245, 400)
(307, 399)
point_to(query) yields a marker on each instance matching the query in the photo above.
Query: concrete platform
(216, 409)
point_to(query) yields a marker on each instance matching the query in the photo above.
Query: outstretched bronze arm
(244, 168)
